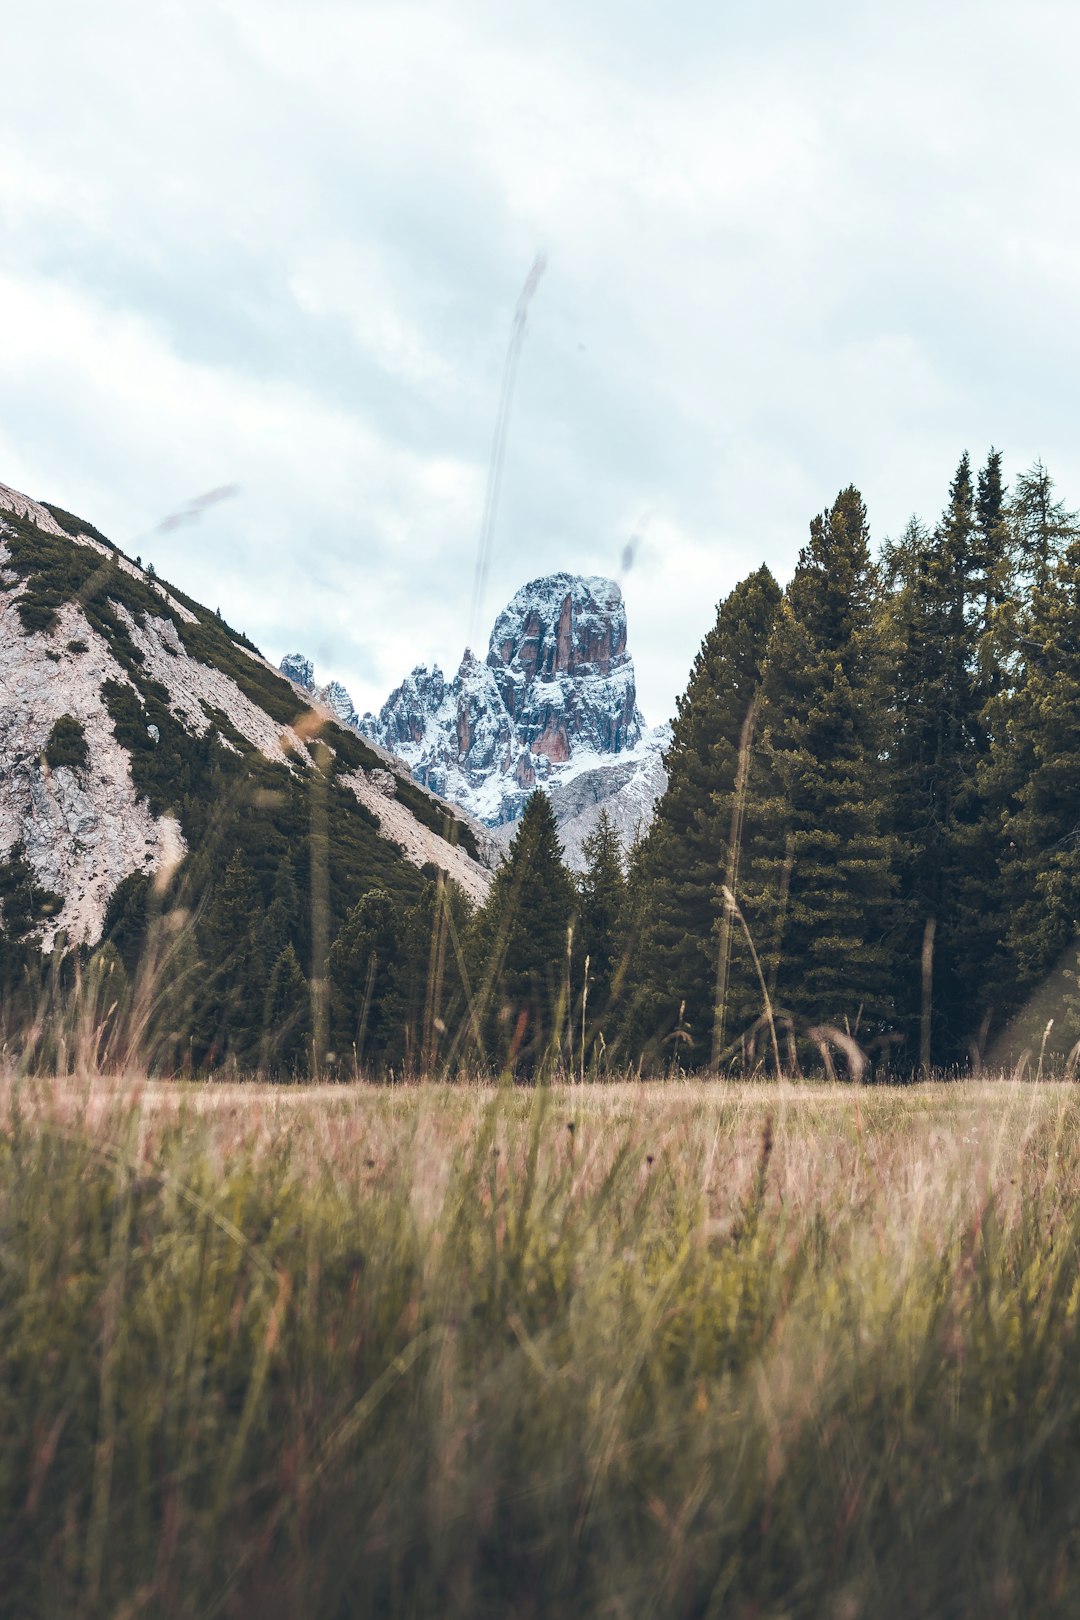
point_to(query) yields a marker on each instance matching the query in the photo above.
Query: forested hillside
(872, 829)
(867, 858)
(188, 849)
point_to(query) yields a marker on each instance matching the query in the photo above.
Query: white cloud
(280, 245)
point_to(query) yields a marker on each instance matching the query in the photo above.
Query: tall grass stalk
(622, 1350)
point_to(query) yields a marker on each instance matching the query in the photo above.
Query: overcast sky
(279, 245)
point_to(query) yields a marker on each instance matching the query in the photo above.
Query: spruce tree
(362, 967)
(1036, 760)
(995, 564)
(230, 941)
(693, 844)
(821, 861)
(430, 1004)
(1042, 528)
(950, 590)
(520, 945)
(288, 1007)
(602, 902)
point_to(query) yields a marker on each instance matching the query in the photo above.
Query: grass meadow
(681, 1349)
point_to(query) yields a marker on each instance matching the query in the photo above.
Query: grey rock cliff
(553, 705)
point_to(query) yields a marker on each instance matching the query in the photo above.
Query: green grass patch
(761, 1351)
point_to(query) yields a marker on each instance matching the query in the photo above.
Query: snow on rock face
(339, 702)
(554, 701)
(333, 696)
(84, 829)
(625, 788)
(295, 667)
(558, 652)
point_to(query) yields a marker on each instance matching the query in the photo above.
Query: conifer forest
(866, 862)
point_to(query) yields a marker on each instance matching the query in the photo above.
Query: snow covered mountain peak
(558, 654)
(554, 701)
(301, 670)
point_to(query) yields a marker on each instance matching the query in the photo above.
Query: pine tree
(430, 1000)
(520, 944)
(694, 842)
(1042, 528)
(1036, 760)
(821, 878)
(362, 967)
(945, 612)
(288, 1008)
(602, 901)
(230, 940)
(995, 565)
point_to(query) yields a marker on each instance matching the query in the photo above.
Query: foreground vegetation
(625, 1350)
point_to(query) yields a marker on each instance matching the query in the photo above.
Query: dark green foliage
(287, 1017)
(430, 1003)
(75, 525)
(600, 942)
(521, 945)
(231, 941)
(126, 920)
(24, 903)
(820, 874)
(692, 846)
(67, 743)
(363, 970)
(949, 589)
(1041, 761)
(902, 852)
(290, 851)
(1042, 528)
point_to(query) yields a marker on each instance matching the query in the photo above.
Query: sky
(278, 247)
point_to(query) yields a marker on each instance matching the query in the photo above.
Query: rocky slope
(553, 704)
(134, 725)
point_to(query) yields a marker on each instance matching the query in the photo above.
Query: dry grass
(680, 1349)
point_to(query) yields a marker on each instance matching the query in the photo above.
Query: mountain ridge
(552, 705)
(160, 701)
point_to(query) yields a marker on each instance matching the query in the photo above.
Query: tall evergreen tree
(996, 564)
(230, 942)
(694, 842)
(1036, 757)
(520, 944)
(1042, 527)
(362, 967)
(951, 587)
(821, 878)
(430, 1000)
(602, 904)
(288, 1023)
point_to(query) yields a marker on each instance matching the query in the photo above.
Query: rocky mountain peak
(554, 698)
(301, 670)
(562, 624)
(558, 654)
